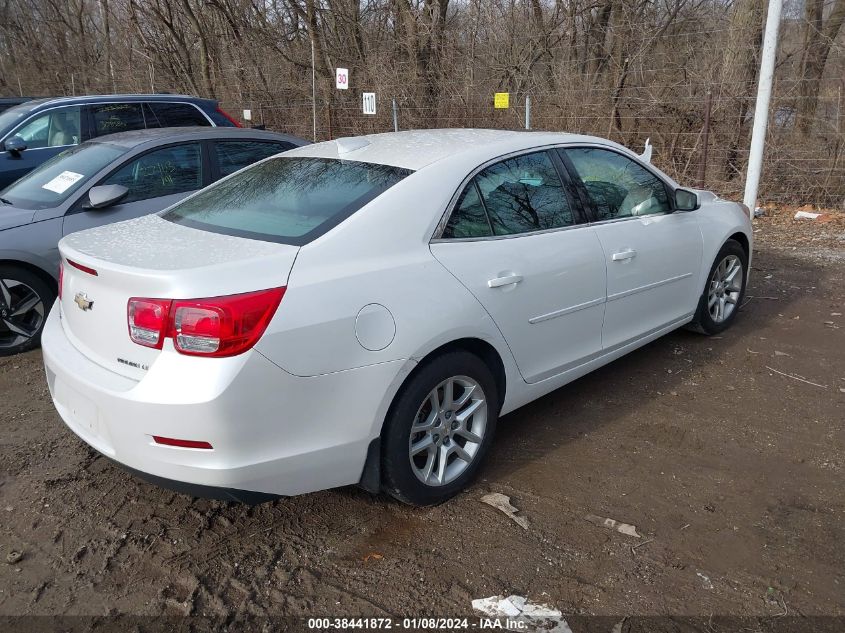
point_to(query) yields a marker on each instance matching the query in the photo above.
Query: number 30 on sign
(369, 102)
(341, 78)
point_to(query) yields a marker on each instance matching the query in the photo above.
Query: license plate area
(81, 415)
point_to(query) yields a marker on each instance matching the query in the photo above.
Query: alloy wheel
(21, 313)
(448, 431)
(724, 289)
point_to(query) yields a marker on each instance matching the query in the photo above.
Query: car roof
(135, 138)
(415, 149)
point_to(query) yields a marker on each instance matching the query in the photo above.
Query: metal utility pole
(761, 110)
(395, 116)
(313, 90)
(705, 134)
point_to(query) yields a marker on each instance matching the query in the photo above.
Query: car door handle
(498, 282)
(623, 255)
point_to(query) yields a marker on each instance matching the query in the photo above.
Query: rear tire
(724, 290)
(25, 301)
(439, 429)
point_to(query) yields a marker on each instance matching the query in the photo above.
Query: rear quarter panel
(381, 256)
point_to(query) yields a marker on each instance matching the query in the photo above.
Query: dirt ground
(731, 471)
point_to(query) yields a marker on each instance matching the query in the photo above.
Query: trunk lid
(152, 258)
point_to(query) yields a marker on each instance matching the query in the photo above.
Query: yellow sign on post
(501, 100)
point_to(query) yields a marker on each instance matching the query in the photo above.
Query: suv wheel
(25, 301)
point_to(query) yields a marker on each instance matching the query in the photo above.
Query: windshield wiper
(4, 201)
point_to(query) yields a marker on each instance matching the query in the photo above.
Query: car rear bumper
(271, 432)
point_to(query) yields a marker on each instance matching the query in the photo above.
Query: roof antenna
(646, 155)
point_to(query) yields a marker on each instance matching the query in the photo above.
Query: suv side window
(235, 155)
(55, 128)
(161, 172)
(617, 185)
(161, 114)
(110, 118)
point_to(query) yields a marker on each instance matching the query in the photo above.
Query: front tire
(439, 429)
(724, 291)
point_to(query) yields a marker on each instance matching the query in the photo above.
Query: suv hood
(10, 217)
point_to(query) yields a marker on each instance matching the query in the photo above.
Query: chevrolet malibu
(362, 311)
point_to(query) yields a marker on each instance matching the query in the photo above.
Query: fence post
(313, 90)
(702, 167)
(527, 112)
(395, 116)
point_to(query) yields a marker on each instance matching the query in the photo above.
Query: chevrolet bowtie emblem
(84, 303)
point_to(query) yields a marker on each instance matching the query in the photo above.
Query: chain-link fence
(683, 74)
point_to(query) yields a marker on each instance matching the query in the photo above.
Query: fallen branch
(795, 377)
(634, 547)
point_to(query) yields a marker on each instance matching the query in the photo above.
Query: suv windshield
(289, 200)
(53, 182)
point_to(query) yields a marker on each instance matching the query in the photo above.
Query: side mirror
(105, 196)
(686, 200)
(15, 145)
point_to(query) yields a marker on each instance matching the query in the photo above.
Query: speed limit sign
(341, 78)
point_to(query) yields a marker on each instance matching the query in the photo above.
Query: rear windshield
(50, 184)
(286, 199)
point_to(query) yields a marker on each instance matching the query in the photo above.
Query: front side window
(235, 155)
(55, 128)
(161, 172)
(286, 199)
(618, 186)
(110, 118)
(53, 182)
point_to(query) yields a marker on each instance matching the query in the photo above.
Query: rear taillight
(61, 278)
(216, 327)
(225, 114)
(148, 319)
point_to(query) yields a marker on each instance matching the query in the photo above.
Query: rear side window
(235, 155)
(110, 118)
(162, 172)
(469, 219)
(522, 194)
(287, 199)
(174, 115)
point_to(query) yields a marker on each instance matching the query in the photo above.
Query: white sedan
(361, 311)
